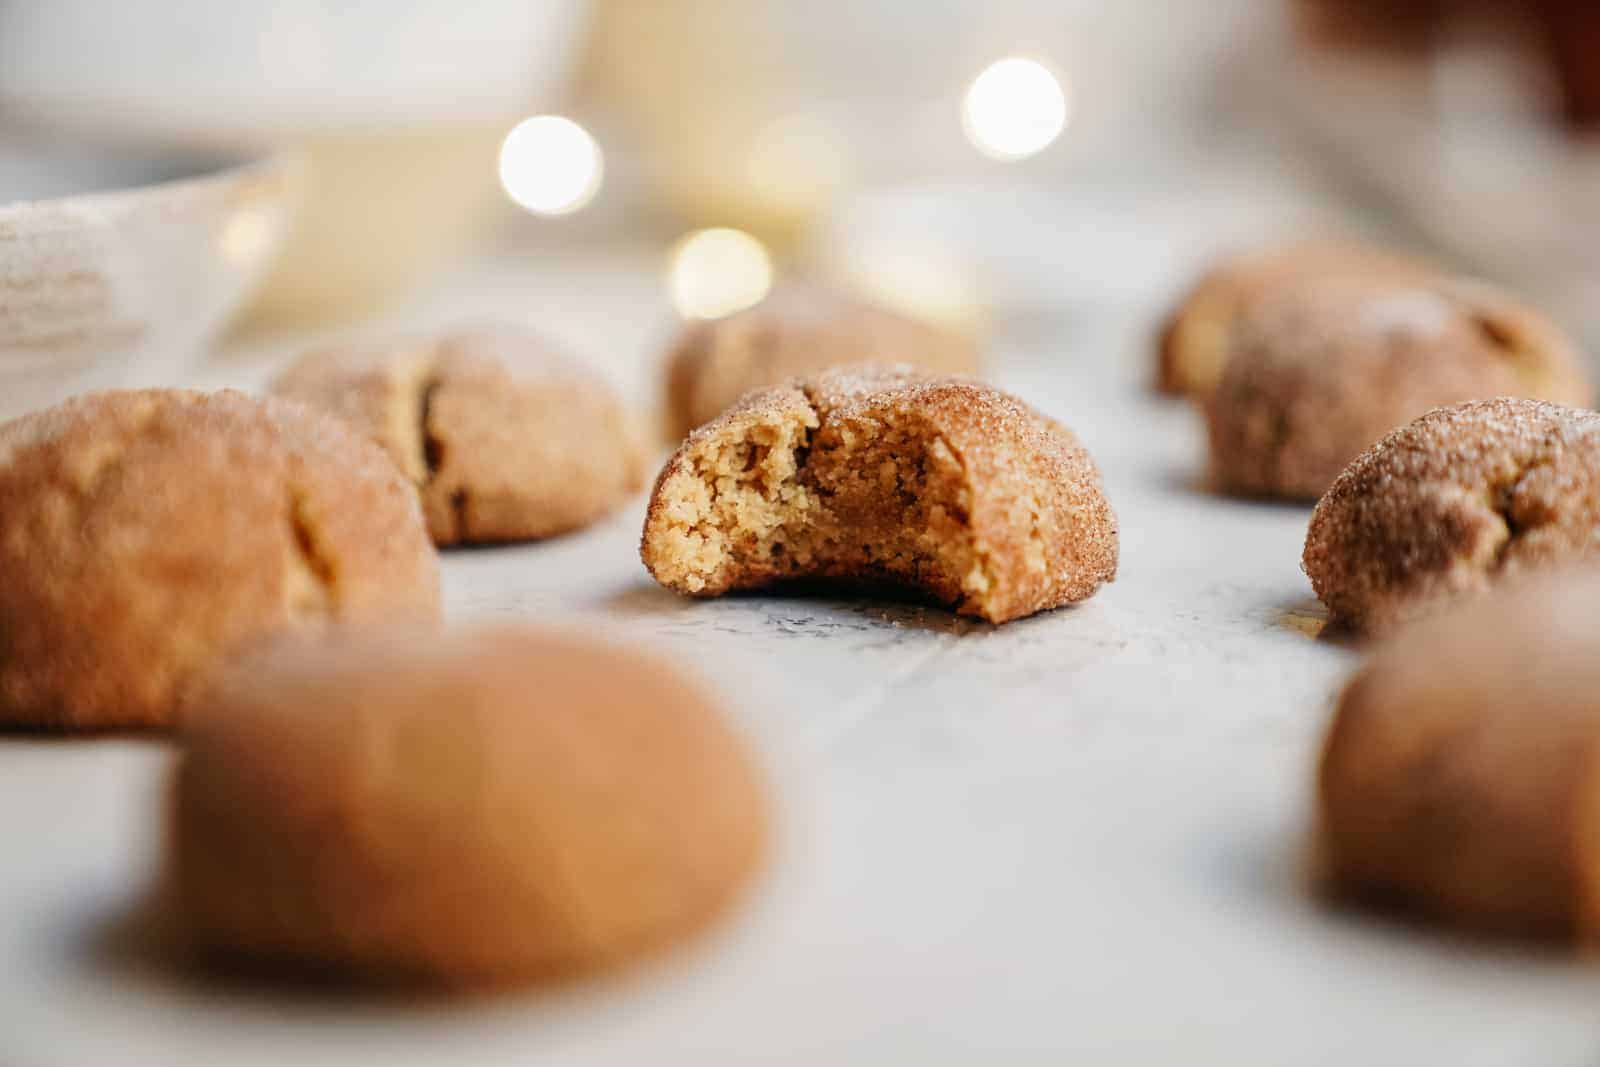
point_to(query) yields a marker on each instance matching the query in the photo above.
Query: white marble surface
(1076, 838)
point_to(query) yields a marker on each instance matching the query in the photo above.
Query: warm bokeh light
(245, 237)
(550, 165)
(717, 272)
(1014, 109)
(796, 163)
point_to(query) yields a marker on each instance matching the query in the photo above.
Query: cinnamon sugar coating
(467, 808)
(884, 476)
(1461, 773)
(1196, 342)
(800, 329)
(146, 536)
(1323, 369)
(505, 438)
(1450, 504)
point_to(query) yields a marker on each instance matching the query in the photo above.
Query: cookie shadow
(1203, 483)
(874, 604)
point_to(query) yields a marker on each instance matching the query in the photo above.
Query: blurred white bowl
(120, 264)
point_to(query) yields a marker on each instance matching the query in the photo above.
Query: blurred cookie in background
(1197, 339)
(800, 329)
(1323, 368)
(506, 438)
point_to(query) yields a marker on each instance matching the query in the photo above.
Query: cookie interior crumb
(841, 479)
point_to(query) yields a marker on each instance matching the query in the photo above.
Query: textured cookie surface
(146, 535)
(469, 808)
(1320, 371)
(1460, 774)
(798, 330)
(505, 439)
(1197, 339)
(1449, 504)
(878, 475)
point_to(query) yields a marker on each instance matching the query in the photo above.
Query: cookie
(1196, 341)
(470, 808)
(873, 475)
(505, 438)
(798, 330)
(1322, 370)
(1461, 775)
(144, 536)
(1449, 504)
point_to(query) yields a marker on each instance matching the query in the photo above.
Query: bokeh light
(1014, 109)
(716, 272)
(550, 165)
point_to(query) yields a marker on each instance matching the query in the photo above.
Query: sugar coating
(144, 536)
(505, 438)
(1460, 772)
(1323, 369)
(799, 329)
(883, 475)
(1450, 504)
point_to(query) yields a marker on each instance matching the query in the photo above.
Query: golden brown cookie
(798, 330)
(1461, 775)
(469, 808)
(880, 475)
(506, 439)
(144, 536)
(1322, 370)
(1449, 504)
(1197, 339)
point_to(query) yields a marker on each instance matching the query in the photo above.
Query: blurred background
(184, 178)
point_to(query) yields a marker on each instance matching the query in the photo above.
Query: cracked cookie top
(879, 475)
(1449, 504)
(144, 535)
(505, 438)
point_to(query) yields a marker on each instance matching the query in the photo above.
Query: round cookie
(506, 439)
(1322, 370)
(798, 330)
(146, 535)
(467, 808)
(1196, 341)
(882, 476)
(1461, 774)
(1449, 504)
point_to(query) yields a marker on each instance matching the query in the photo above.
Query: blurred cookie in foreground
(799, 329)
(1196, 341)
(1321, 370)
(1461, 775)
(882, 476)
(505, 438)
(472, 808)
(1450, 504)
(146, 536)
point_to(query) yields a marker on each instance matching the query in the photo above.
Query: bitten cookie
(1196, 341)
(506, 439)
(1449, 504)
(1322, 370)
(798, 330)
(470, 808)
(1461, 774)
(144, 536)
(879, 475)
